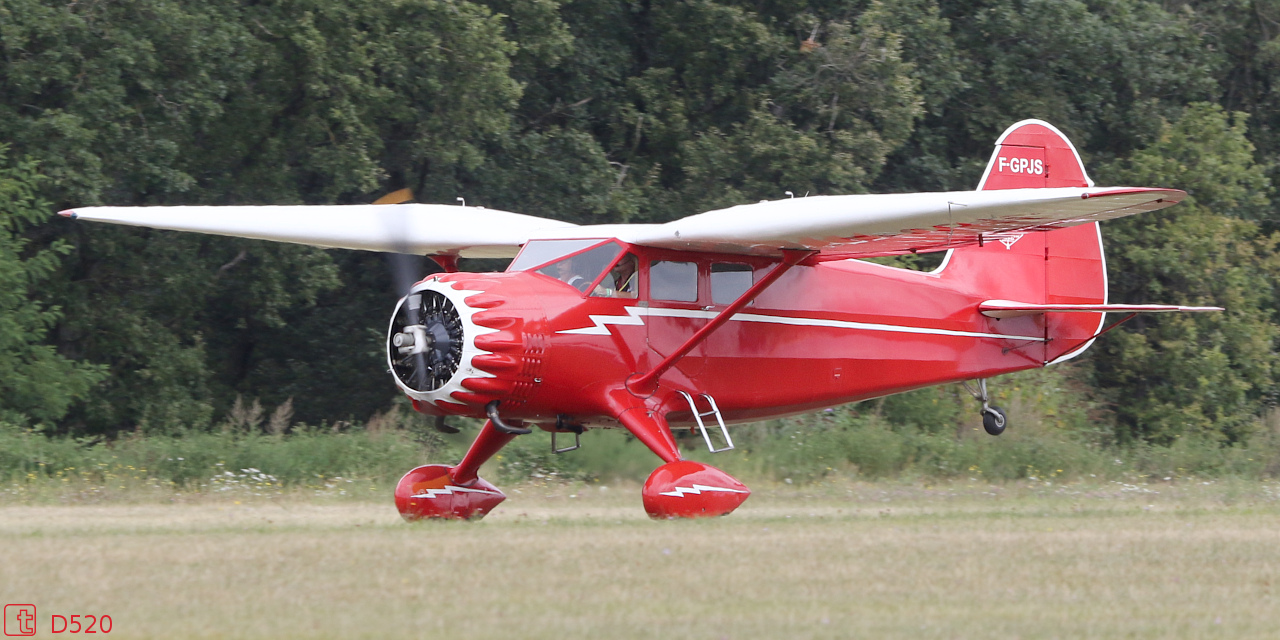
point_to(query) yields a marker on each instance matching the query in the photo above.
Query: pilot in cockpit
(568, 272)
(621, 280)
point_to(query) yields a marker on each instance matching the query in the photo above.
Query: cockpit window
(581, 269)
(620, 282)
(671, 280)
(540, 252)
(729, 280)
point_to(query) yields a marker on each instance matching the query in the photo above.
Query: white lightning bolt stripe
(635, 316)
(450, 490)
(631, 319)
(697, 490)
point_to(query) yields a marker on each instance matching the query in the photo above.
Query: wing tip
(68, 213)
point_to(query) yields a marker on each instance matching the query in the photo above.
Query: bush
(191, 460)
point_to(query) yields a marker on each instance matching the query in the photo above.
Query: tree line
(592, 111)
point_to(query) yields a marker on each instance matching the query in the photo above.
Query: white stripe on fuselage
(635, 317)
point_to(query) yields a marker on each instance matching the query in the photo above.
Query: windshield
(539, 252)
(581, 269)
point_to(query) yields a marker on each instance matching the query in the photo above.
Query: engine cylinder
(425, 342)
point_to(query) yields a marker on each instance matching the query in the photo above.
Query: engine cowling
(455, 344)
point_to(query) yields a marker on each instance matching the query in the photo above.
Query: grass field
(895, 560)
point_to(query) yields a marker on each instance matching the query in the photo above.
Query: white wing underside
(421, 229)
(838, 226)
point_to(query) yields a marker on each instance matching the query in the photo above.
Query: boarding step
(565, 425)
(698, 415)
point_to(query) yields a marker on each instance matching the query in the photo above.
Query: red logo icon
(19, 619)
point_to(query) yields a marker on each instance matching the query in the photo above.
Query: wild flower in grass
(1132, 488)
(334, 486)
(251, 481)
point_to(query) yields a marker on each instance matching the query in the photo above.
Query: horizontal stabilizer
(1010, 309)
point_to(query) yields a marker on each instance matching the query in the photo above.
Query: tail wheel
(994, 420)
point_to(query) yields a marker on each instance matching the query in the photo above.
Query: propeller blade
(406, 270)
(400, 196)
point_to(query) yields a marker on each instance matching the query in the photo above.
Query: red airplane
(736, 315)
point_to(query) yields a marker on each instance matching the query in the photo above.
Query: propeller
(429, 340)
(405, 267)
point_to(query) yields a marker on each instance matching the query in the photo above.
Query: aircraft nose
(458, 342)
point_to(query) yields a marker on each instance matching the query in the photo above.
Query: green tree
(1210, 375)
(173, 101)
(598, 111)
(36, 382)
(1246, 37)
(1106, 72)
(663, 110)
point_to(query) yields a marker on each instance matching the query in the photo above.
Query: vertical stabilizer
(1042, 267)
(1033, 154)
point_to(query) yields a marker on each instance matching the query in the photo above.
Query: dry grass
(862, 560)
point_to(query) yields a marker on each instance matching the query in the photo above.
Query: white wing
(472, 232)
(838, 226)
(866, 225)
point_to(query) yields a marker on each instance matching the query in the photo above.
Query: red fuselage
(824, 334)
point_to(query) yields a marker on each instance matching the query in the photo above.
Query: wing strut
(646, 384)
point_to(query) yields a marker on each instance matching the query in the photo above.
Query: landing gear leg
(490, 441)
(455, 493)
(994, 419)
